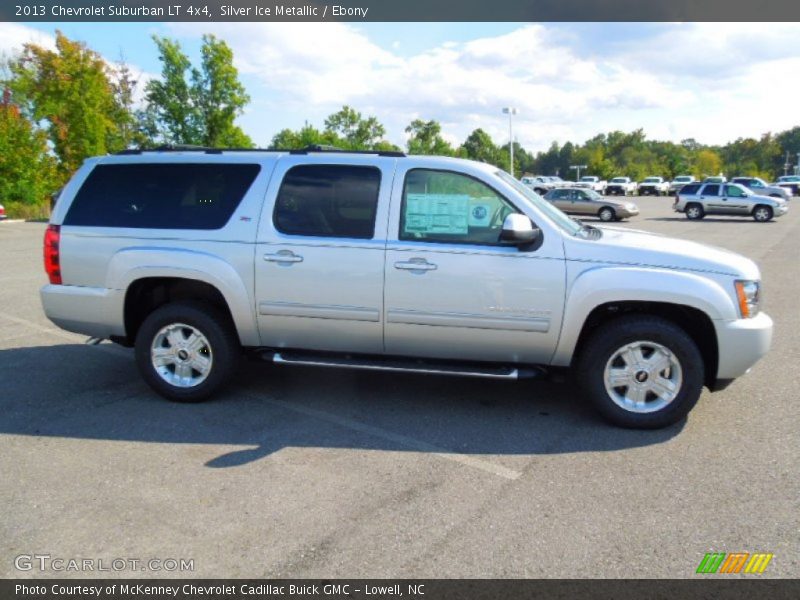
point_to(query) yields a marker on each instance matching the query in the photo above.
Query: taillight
(2, 209)
(52, 261)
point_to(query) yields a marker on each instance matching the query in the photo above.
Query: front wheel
(607, 214)
(186, 351)
(641, 372)
(762, 213)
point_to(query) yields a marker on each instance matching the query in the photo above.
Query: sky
(714, 82)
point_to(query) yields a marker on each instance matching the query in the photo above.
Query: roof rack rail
(311, 148)
(336, 150)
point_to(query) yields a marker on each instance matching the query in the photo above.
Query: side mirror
(518, 230)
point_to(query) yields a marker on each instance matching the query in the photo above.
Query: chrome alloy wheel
(643, 377)
(693, 212)
(181, 355)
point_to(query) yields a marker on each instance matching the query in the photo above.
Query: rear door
(320, 253)
(713, 201)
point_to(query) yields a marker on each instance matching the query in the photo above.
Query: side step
(403, 365)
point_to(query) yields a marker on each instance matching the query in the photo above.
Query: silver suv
(697, 200)
(388, 262)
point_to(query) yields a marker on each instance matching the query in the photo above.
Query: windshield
(619, 180)
(555, 178)
(587, 178)
(559, 218)
(652, 180)
(683, 178)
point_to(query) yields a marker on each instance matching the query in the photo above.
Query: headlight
(631, 206)
(748, 294)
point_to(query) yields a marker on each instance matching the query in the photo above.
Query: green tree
(27, 169)
(426, 139)
(195, 106)
(70, 91)
(707, 163)
(480, 146)
(354, 131)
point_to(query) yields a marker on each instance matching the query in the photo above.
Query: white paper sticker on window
(437, 213)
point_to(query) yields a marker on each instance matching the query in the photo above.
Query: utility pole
(577, 169)
(510, 111)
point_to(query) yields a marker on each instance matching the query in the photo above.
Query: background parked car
(681, 180)
(653, 185)
(697, 200)
(592, 182)
(716, 179)
(792, 182)
(621, 186)
(577, 201)
(538, 183)
(761, 187)
(3, 214)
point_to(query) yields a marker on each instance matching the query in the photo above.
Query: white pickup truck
(657, 186)
(621, 186)
(392, 263)
(593, 183)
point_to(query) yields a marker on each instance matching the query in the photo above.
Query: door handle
(415, 264)
(284, 256)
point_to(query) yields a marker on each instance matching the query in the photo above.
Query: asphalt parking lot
(322, 473)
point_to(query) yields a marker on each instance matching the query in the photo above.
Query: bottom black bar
(412, 589)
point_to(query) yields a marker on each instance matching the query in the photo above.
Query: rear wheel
(762, 213)
(641, 372)
(694, 212)
(186, 351)
(607, 214)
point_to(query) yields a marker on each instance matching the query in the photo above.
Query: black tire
(609, 338)
(763, 213)
(222, 347)
(607, 214)
(694, 211)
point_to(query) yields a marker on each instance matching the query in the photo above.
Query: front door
(452, 289)
(320, 254)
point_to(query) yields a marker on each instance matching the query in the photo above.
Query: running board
(400, 365)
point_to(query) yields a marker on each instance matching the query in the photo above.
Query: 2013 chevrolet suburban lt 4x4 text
(393, 262)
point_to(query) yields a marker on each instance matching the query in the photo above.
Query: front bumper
(742, 343)
(779, 211)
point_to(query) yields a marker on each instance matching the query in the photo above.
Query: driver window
(441, 206)
(734, 192)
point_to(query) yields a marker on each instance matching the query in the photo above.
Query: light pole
(577, 168)
(510, 111)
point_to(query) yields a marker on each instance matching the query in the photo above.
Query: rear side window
(161, 196)
(690, 189)
(711, 190)
(328, 201)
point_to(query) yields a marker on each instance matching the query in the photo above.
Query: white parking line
(403, 440)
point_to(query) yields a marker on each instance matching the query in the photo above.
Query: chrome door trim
(466, 320)
(319, 311)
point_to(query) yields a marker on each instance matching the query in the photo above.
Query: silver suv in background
(762, 188)
(790, 182)
(697, 200)
(392, 263)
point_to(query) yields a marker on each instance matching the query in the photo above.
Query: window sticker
(437, 213)
(480, 214)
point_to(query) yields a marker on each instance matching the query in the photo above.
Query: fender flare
(602, 285)
(133, 263)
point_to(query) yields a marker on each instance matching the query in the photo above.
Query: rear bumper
(741, 344)
(96, 312)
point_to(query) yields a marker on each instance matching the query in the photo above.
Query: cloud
(462, 84)
(13, 36)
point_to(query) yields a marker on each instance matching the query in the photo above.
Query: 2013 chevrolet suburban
(392, 262)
